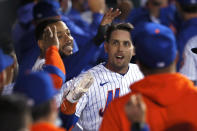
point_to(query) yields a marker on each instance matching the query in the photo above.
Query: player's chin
(67, 53)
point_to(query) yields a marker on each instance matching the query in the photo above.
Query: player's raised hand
(80, 87)
(50, 37)
(135, 109)
(110, 16)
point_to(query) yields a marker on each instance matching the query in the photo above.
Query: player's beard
(114, 66)
(62, 54)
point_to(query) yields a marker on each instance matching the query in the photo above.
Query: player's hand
(135, 109)
(110, 16)
(80, 87)
(50, 37)
(97, 6)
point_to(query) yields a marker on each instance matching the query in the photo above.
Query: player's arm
(106, 21)
(73, 95)
(54, 64)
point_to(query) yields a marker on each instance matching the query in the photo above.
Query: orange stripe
(53, 58)
(68, 108)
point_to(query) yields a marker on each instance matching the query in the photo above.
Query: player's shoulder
(97, 69)
(191, 43)
(134, 67)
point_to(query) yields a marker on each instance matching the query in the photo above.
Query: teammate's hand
(50, 37)
(135, 109)
(80, 88)
(110, 16)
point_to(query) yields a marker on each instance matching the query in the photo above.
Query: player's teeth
(119, 56)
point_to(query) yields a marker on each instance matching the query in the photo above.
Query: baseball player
(52, 63)
(53, 39)
(111, 79)
(169, 96)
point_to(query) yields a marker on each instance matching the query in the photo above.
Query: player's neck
(120, 70)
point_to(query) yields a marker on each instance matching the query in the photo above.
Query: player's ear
(53, 105)
(1, 80)
(177, 58)
(106, 46)
(40, 44)
(133, 51)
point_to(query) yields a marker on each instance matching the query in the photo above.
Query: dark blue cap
(155, 45)
(37, 86)
(44, 9)
(5, 61)
(187, 2)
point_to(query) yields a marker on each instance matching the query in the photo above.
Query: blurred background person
(15, 113)
(12, 70)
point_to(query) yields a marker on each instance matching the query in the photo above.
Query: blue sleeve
(77, 62)
(68, 120)
(54, 70)
(97, 18)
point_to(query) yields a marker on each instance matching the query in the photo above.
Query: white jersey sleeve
(189, 68)
(38, 65)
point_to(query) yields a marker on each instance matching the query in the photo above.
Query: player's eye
(126, 43)
(115, 42)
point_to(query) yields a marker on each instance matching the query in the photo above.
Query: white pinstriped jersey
(107, 86)
(189, 68)
(38, 64)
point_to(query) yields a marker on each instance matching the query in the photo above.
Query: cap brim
(194, 50)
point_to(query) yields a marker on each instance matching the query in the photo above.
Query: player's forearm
(55, 66)
(53, 58)
(68, 114)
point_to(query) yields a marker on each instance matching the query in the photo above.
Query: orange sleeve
(53, 58)
(68, 108)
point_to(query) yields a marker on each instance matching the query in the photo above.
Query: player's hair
(41, 110)
(24, 2)
(121, 26)
(6, 44)
(41, 26)
(14, 111)
(189, 8)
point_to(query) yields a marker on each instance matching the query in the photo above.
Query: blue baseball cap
(45, 9)
(37, 86)
(5, 60)
(187, 2)
(155, 45)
